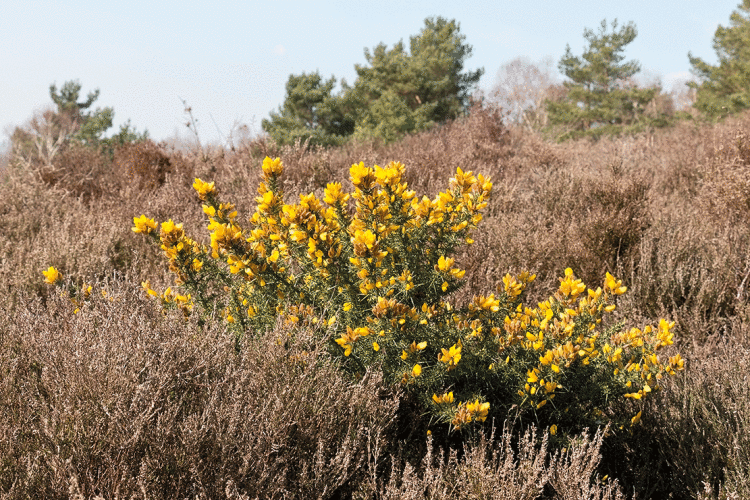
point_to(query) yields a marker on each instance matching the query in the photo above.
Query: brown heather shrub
(145, 163)
(728, 174)
(666, 211)
(42, 226)
(500, 468)
(476, 142)
(80, 171)
(121, 402)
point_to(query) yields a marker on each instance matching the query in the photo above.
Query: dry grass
(501, 469)
(119, 401)
(144, 406)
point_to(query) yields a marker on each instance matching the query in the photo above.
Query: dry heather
(129, 405)
(107, 403)
(499, 469)
(119, 401)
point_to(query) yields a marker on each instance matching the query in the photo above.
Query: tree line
(401, 91)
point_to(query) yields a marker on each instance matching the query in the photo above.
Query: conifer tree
(725, 88)
(89, 126)
(395, 93)
(73, 122)
(311, 112)
(601, 96)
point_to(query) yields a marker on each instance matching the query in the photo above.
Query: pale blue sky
(231, 60)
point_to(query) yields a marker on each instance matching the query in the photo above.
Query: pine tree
(397, 92)
(725, 88)
(71, 123)
(89, 126)
(408, 92)
(311, 112)
(601, 96)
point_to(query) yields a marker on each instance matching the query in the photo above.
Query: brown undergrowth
(118, 401)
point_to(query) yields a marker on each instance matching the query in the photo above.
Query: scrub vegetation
(468, 308)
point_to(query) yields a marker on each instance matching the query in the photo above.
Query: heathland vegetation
(335, 334)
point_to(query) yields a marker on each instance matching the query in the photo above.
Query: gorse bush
(377, 280)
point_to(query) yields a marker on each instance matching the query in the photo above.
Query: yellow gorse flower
(361, 176)
(478, 410)
(613, 285)
(143, 225)
(203, 188)
(446, 398)
(451, 356)
(272, 167)
(52, 275)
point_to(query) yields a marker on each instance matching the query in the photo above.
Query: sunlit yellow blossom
(416, 371)
(569, 286)
(361, 176)
(553, 429)
(272, 166)
(478, 410)
(274, 257)
(334, 194)
(203, 188)
(636, 418)
(143, 224)
(444, 264)
(363, 241)
(52, 275)
(451, 356)
(614, 285)
(147, 287)
(677, 362)
(445, 398)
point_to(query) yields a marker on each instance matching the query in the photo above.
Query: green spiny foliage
(376, 279)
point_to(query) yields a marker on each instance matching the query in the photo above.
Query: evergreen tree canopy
(601, 96)
(397, 92)
(88, 126)
(310, 111)
(73, 122)
(725, 88)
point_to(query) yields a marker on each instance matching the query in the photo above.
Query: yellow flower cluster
(382, 269)
(351, 336)
(468, 411)
(563, 332)
(143, 224)
(451, 356)
(51, 275)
